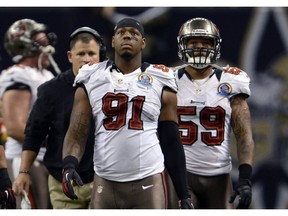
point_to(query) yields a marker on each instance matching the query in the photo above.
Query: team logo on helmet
(19, 31)
(145, 79)
(224, 89)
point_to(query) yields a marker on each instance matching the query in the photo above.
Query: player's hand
(7, 198)
(22, 182)
(186, 204)
(69, 178)
(244, 191)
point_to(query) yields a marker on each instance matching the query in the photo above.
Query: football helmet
(18, 40)
(199, 28)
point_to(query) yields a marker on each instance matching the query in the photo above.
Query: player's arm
(241, 124)
(172, 147)
(36, 130)
(22, 181)
(75, 141)
(77, 133)
(15, 109)
(3, 162)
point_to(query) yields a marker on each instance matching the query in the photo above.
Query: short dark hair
(86, 34)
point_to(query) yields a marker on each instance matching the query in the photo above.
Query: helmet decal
(19, 31)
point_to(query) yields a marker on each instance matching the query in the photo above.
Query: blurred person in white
(29, 46)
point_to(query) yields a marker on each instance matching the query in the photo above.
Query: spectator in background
(49, 119)
(27, 42)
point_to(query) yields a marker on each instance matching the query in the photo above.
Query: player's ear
(69, 56)
(143, 43)
(112, 43)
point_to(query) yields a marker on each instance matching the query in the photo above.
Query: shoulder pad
(160, 70)
(232, 70)
(164, 75)
(87, 70)
(237, 79)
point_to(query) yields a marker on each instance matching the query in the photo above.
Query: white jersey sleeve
(237, 79)
(25, 75)
(86, 71)
(164, 75)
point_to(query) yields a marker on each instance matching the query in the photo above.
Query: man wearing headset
(49, 121)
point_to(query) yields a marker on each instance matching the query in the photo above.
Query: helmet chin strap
(48, 51)
(217, 66)
(54, 64)
(40, 67)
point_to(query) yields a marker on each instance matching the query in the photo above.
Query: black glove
(243, 188)
(70, 177)
(7, 198)
(186, 204)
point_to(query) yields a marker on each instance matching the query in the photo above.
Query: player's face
(83, 53)
(198, 43)
(128, 42)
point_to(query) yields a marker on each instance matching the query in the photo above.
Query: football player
(30, 46)
(127, 98)
(211, 101)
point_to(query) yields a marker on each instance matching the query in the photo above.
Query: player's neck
(128, 66)
(197, 74)
(30, 61)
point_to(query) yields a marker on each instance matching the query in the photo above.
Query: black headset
(97, 36)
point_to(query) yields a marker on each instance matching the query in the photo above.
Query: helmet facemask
(199, 57)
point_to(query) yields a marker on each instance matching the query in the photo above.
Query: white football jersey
(204, 114)
(32, 78)
(126, 110)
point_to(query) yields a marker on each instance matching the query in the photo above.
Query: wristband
(3, 173)
(25, 172)
(4, 178)
(245, 171)
(70, 162)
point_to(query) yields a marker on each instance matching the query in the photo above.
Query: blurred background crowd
(253, 39)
